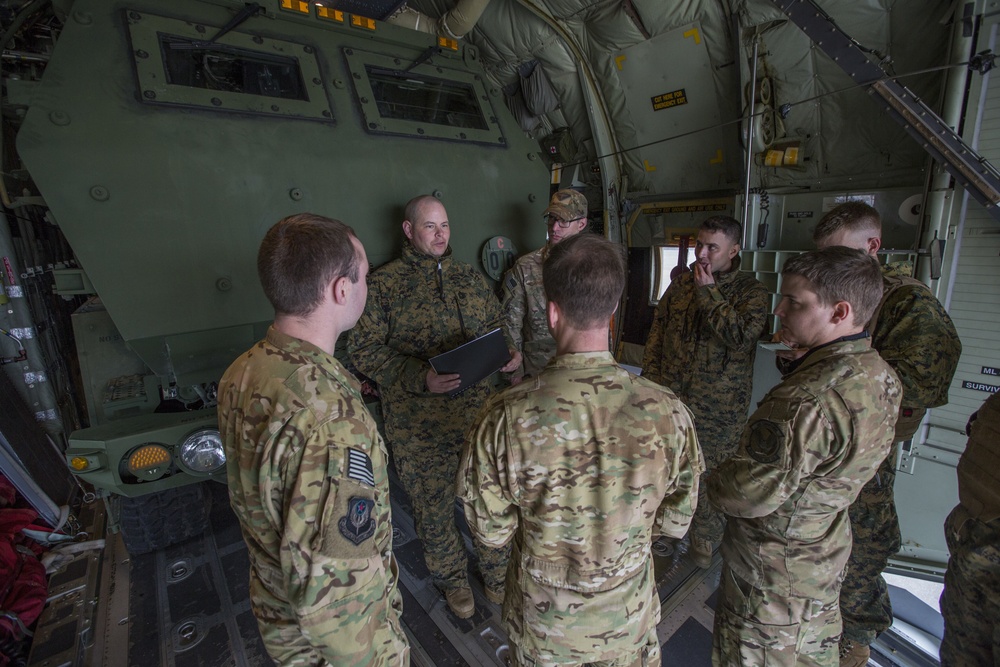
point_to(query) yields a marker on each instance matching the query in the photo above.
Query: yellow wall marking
(718, 157)
(693, 32)
(648, 166)
(619, 60)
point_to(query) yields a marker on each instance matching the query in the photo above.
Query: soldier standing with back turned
(579, 467)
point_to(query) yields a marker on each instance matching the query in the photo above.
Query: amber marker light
(79, 463)
(149, 461)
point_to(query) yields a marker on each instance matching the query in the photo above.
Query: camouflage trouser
(428, 471)
(756, 627)
(864, 598)
(647, 656)
(970, 602)
(381, 644)
(708, 523)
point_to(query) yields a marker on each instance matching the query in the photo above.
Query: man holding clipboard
(422, 305)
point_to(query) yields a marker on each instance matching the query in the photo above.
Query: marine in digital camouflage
(418, 307)
(307, 480)
(524, 314)
(914, 334)
(579, 468)
(813, 442)
(970, 602)
(702, 345)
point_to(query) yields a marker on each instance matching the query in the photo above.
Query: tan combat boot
(461, 602)
(853, 654)
(701, 552)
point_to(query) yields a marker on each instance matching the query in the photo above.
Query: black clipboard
(475, 360)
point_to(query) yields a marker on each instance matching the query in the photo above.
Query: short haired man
(914, 334)
(579, 467)
(702, 345)
(814, 440)
(525, 322)
(970, 602)
(305, 462)
(423, 304)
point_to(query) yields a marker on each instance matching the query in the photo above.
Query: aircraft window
(664, 261)
(404, 96)
(216, 67)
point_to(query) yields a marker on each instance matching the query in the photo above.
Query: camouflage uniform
(526, 321)
(418, 307)
(914, 334)
(307, 480)
(579, 467)
(970, 602)
(702, 345)
(805, 454)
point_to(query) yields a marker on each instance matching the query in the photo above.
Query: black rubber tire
(162, 519)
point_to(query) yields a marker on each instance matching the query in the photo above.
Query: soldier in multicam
(306, 465)
(913, 333)
(702, 345)
(970, 602)
(578, 468)
(525, 322)
(813, 442)
(422, 305)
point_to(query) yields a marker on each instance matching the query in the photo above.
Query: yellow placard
(668, 100)
(362, 22)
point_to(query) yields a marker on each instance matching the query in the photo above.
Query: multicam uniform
(970, 602)
(307, 480)
(525, 316)
(418, 307)
(805, 454)
(912, 331)
(702, 345)
(579, 467)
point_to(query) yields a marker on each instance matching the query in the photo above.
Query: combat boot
(495, 595)
(701, 552)
(853, 654)
(461, 602)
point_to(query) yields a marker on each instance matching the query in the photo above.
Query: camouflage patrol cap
(567, 205)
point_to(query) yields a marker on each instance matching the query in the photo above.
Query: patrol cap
(567, 205)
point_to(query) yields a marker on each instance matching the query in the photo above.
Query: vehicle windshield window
(407, 96)
(218, 67)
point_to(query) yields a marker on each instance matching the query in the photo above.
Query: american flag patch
(359, 467)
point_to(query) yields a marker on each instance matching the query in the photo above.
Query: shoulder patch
(358, 525)
(359, 467)
(766, 442)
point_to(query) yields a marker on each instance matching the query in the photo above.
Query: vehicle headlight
(202, 451)
(149, 461)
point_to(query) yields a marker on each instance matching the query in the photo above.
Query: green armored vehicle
(166, 138)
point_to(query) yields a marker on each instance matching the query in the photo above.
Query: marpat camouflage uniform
(914, 334)
(525, 315)
(702, 345)
(805, 454)
(307, 480)
(579, 468)
(418, 307)
(970, 602)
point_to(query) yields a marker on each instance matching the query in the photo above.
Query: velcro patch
(358, 525)
(359, 467)
(511, 283)
(766, 443)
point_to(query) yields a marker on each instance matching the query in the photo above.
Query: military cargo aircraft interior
(147, 147)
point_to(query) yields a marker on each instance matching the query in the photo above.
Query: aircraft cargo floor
(188, 606)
